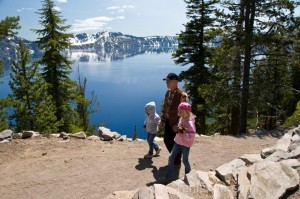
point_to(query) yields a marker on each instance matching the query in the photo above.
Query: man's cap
(171, 76)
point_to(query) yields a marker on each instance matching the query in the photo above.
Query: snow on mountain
(118, 39)
(103, 45)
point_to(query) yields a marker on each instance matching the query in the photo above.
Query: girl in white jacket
(151, 125)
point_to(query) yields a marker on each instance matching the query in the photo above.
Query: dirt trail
(51, 168)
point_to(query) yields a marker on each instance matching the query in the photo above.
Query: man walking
(169, 116)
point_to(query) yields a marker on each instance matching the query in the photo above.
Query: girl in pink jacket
(183, 140)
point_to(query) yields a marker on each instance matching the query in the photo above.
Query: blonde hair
(185, 114)
(184, 97)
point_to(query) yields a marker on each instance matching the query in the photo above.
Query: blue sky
(134, 17)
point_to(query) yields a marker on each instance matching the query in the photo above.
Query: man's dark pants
(169, 136)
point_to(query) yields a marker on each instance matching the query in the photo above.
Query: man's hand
(175, 128)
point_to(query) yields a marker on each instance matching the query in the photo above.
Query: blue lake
(122, 87)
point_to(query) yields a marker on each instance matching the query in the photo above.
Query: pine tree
(56, 66)
(84, 106)
(223, 90)
(34, 110)
(135, 133)
(195, 49)
(8, 28)
(271, 53)
(295, 69)
(271, 78)
(3, 114)
(245, 46)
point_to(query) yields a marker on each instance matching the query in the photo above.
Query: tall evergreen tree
(250, 30)
(84, 106)
(195, 49)
(271, 55)
(273, 73)
(8, 28)
(56, 66)
(248, 13)
(34, 110)
(223, 90)
(295, 68)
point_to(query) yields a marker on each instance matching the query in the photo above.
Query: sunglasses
(183, 96)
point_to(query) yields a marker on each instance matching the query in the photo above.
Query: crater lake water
(122, 87)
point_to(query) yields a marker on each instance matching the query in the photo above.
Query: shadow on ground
(144, 163)
(261, 133)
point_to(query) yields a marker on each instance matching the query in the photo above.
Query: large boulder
(27, 134)
(222, 192)
(105, 134)
(228, 171)
(144, 192)
(5, 134)
(270, 180)
(250, 159)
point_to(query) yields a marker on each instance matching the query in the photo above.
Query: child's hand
(181, 129)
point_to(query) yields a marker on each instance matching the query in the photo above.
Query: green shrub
(293, 120)
(252, 123)
(135, 133)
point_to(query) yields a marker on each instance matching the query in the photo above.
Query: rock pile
(272, 174)
(104, 134)
(8, 135)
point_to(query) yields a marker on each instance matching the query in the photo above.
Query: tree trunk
(249, 23)
(234, 123)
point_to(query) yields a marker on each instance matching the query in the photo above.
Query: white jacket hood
(153, 119)
(151, 108)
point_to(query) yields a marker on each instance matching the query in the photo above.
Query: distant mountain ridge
(115, 44)
(118, 39)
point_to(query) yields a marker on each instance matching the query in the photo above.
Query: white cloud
(31, 9)
(128, 6)
(120, 17)
(90, 24)
(62, 1)
(57, 8)
(25, 9)
(120, 8)
(113, 8)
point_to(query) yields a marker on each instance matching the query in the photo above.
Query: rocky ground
(76, 168)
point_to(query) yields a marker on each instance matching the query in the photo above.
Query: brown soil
(52, 168)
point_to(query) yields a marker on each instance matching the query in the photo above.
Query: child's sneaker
(148, 156)
(157, 152)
